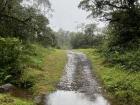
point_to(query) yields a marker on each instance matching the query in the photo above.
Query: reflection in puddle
(73, 98)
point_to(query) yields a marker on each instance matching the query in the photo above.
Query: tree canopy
(25, 23)
(105, 8)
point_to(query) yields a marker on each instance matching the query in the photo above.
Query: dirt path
(78, 86)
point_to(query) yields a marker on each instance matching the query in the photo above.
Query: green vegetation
(117, 58)
(123, 87)
(120, 42)
(20, 27)
(6, 99)
(44, 70)
(26, 23)
(86, 38)
(129, 60)
(10, 66)
(28, 58)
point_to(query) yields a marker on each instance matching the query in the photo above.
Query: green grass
(45, 69)
(123, 87)
(6, 99)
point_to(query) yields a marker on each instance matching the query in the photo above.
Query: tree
(123, 17)
(8, 8)
(105, 8)
(90, 29)
(121, 43)
(18, 25)
(25, 23)
(125, 33)
(86, 39)
(63, 38)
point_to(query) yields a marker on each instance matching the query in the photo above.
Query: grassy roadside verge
(44, 68)
(6, 99)
(123, 87)
(48, 77)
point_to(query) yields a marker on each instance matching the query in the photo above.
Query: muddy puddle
(74, 98)
(78, 86)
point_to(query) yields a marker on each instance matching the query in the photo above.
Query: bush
(129, 60)
(33, 61)
(10, 63)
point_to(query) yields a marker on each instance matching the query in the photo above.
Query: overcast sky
(67, 15)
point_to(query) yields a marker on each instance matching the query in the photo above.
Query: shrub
(10, 63)
(129, 60)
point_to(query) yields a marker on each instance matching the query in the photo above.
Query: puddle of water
(70, 67)
(73, 98)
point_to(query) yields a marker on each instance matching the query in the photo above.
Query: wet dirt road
(78, 85)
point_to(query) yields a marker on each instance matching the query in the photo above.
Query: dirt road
(78, 85)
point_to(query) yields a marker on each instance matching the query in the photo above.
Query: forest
(33, 54)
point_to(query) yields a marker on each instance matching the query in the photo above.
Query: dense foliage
(10, 62)
(20, 26)
(121, 41)
(26, 23)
